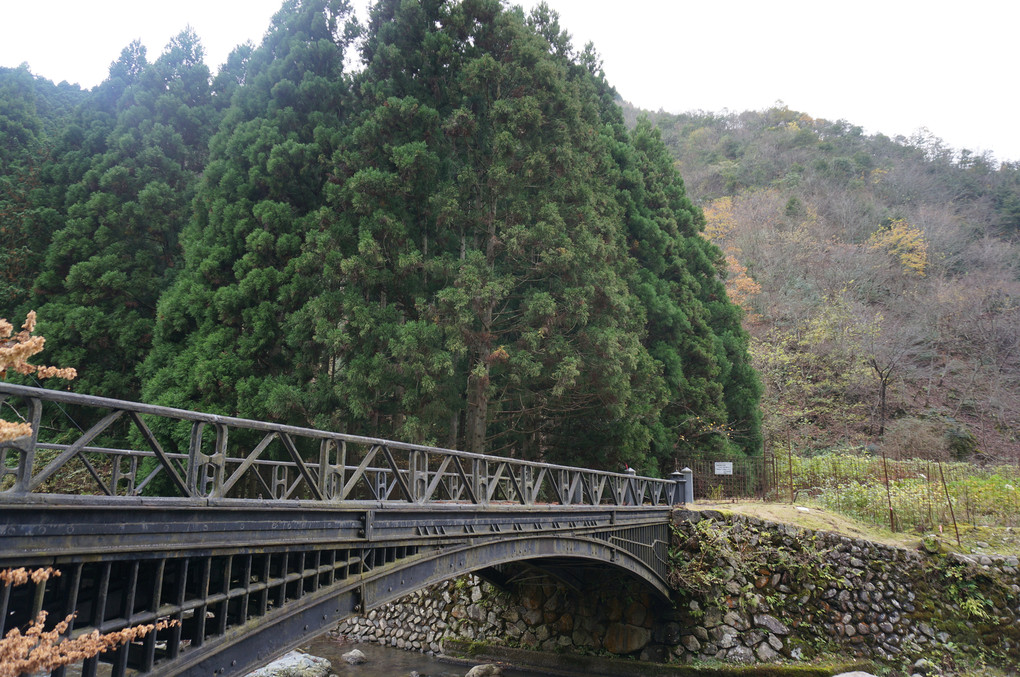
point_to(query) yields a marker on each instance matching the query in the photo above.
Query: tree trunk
(454, 430)
(478, 377)
(881, 415)
(477, 409)
(883, 384)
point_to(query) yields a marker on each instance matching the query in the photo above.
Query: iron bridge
(252, 537)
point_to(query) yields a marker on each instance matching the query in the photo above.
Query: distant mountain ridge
(884, 277)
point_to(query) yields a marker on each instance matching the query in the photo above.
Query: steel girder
(246, 580)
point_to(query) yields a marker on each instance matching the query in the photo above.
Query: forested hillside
(457, 243)
(881, 278)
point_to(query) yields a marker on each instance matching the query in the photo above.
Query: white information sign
(724, 468)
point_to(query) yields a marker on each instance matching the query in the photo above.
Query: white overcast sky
(891, 66)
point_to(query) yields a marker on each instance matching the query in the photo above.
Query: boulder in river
(485, 670)
(295, 664)
(355, 657)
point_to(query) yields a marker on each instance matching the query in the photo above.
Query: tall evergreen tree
(694, 330)
(461, 245)
(479, 294)
(20, 129)
(32, 111)
(116, 253)
(231, 336)
(388, 365)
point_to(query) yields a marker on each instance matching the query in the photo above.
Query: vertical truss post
(25, 449)
(480, 480)
(330, 477)
(630, 489)
(196, 459)
(418, 467)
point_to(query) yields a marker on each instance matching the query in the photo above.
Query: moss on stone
(973, 602)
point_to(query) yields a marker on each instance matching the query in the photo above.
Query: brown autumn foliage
(38, 649)
(13, 577)
(15, 351)
(880, 279)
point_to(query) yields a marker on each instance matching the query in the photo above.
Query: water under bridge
(253, 537)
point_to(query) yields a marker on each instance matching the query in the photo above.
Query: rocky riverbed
(371, 660)
(330, 656)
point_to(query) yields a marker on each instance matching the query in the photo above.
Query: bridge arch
(246, 647)
(472, 558)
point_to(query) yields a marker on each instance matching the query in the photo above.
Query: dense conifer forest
(458, 241)
(442, 225)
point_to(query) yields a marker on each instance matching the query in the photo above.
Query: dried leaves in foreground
(14, 353)
(38, 649)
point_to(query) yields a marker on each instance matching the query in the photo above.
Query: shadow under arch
(250, 646)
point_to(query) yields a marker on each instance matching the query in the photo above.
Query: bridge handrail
(345, 467)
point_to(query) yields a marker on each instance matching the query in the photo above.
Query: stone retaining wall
(831, 592)
(747, 590)
(614, 615)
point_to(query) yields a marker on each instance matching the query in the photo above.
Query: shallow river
(384, 661)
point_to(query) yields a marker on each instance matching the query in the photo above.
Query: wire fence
(727, 477)
(910, 494)
(904, 494)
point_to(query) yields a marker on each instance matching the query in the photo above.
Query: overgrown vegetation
(879, 277)
(855, 485)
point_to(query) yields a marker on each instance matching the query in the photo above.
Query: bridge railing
(119, 448)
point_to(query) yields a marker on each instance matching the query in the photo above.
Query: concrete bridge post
(683, 487)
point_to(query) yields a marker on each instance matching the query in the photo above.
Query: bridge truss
(270, 534)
